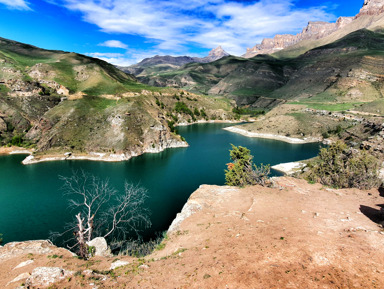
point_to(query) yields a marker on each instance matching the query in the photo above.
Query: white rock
(101, 247)
(118, 263)
(20, 277)
(44, 276)
(22, 264)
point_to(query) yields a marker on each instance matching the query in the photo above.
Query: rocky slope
(295, 235)
(156, 64)
(56, 102)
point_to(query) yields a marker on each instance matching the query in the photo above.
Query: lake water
(32, 204)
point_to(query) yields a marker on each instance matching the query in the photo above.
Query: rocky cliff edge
(295, 235)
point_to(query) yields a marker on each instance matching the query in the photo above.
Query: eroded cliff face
(317, 30)
(371, 7)
(313, 31)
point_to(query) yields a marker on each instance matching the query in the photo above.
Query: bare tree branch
(103, 212)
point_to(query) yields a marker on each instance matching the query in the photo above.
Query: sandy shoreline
(289, 168)
(92, 156)
(14, 151)
(209, 121)
(272, 136)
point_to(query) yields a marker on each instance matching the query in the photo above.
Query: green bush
(181, 107)
(17, 140)
(241, 171)
(341, 167)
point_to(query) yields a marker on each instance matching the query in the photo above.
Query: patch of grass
(328, 106)
(3, 89)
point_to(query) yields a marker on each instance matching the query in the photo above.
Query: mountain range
(153, 65)
(325, 59)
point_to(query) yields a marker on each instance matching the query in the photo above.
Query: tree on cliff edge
(241, 171)
(102, 211)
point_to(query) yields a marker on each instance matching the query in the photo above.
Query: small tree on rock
(102, 210)
(242, 172)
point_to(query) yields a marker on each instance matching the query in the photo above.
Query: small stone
(144, 266)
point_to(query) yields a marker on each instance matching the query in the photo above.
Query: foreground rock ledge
(296, 235)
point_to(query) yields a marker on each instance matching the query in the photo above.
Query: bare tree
(103, 211)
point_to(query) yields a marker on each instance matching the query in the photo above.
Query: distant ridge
(318, 30)
(151, 65)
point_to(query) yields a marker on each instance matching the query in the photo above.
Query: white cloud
(175, 25)
(101, 54)
(114, 44)
(16, 4)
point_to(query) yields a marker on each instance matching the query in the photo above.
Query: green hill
(325, 73)
(55, 101)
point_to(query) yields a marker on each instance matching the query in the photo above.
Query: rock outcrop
(14, 249)
(314, 30)
(371, 7)
(45, 276)
(317, 30)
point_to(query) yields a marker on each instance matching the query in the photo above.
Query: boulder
(101, 247)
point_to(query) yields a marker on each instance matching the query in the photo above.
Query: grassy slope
(321, 72)
(88, 120)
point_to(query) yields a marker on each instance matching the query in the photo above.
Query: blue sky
(124, 32)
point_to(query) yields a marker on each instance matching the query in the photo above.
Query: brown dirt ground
(297, 235)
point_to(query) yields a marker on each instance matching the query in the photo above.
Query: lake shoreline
(92, 156)
(272, 136)
(15, 150)
(98, 156)
(211, 121)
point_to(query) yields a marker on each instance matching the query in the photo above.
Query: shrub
(242, 172)
(343, 167)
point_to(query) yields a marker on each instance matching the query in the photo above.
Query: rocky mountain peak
(371, 7)
(218, 52)
(215, 54)
(314, 30)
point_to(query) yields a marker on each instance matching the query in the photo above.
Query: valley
(309, 104)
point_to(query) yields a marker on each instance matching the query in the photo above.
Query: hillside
(296, 235)
(56, 102)
(326, 72)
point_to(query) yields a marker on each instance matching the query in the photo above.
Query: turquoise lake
(32, 203)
